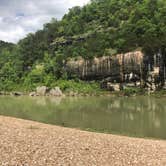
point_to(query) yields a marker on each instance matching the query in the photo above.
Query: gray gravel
(27, 143)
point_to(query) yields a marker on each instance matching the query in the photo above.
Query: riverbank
(62, 88)
(129, 92)
(30, 143)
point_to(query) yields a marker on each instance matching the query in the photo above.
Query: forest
(100, 28)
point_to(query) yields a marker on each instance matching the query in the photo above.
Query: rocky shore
(34, 144)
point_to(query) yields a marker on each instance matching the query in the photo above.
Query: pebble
(48, 145)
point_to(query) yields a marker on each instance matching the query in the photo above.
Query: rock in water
(56, 92)
(42, 90)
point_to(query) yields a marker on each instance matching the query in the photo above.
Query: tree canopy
(102, 27)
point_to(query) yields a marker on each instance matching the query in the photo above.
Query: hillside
(100, 28)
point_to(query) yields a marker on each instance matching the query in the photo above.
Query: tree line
(102, 27)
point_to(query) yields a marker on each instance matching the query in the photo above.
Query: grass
(76, 86)
(160, 93)
(133, 91)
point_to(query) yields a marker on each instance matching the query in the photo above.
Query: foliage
(77, 86)
(102, 27)
(133, 91)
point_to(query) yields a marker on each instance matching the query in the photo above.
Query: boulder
(2, 93)
(33, 94)
(42, 90)
(130, 85)
(138, 84)
(113, 87)
(16, 94)
(150, 87)
(56, 92)
(164, 88)
(153, 87)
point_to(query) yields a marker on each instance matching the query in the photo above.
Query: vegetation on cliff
(102, 27)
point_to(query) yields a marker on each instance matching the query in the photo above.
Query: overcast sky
(20, 17)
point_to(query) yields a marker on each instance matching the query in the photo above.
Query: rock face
(119, 68)
(41, 91)
(132, 67)
(56, 92)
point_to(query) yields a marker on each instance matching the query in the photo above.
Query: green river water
(135, 116)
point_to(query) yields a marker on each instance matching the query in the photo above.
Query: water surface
(137, 116)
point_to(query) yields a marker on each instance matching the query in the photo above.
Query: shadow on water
(137, 116)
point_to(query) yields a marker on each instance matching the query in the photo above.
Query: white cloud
(20, 17)
(12, 35)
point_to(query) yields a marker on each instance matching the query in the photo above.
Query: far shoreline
(158, 94)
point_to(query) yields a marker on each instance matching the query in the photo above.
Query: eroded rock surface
(118, 67)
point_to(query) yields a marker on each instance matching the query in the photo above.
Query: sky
(20, 17)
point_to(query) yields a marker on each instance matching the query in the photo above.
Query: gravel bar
(27, 143)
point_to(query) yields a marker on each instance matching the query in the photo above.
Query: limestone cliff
(119, 67)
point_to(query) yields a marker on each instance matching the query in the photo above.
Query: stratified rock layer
(119, 67)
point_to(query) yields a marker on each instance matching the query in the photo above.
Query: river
(141, 116)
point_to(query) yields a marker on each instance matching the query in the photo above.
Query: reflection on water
(138, 116)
